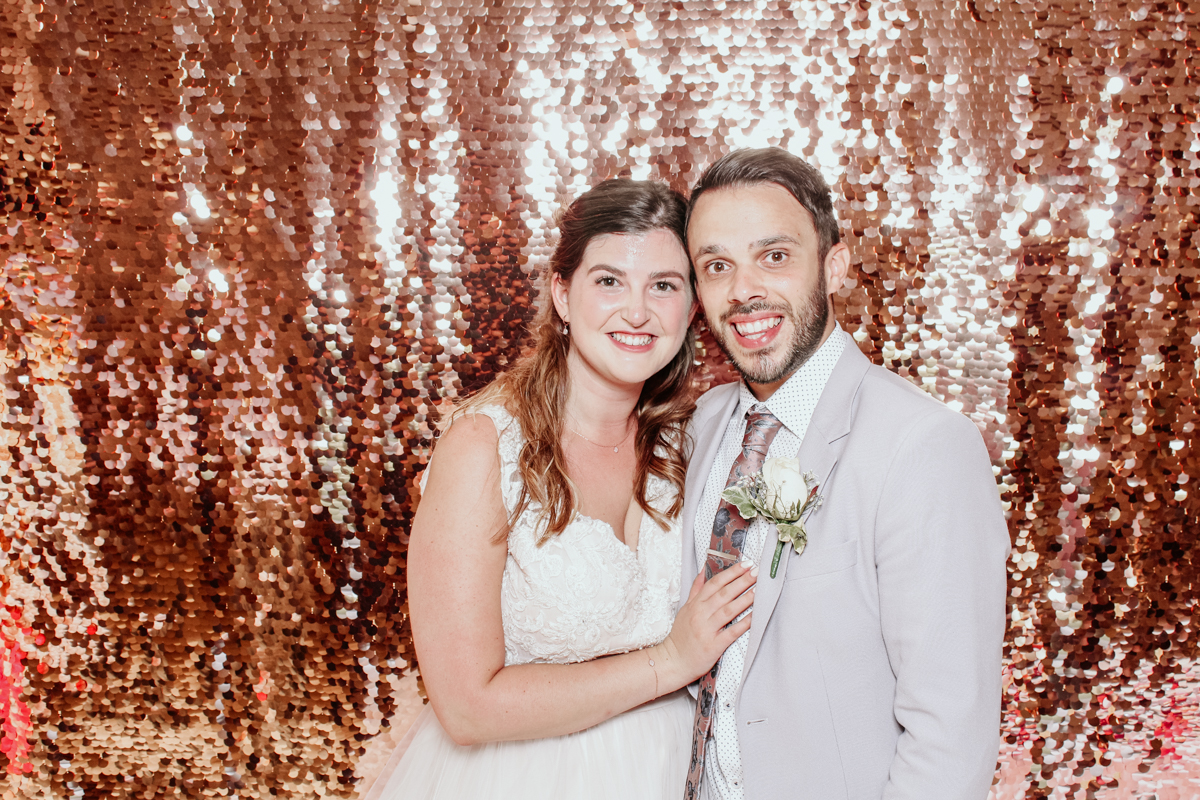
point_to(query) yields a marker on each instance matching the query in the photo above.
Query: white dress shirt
(793, 405)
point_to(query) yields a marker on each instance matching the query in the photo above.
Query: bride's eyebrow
(620, 273)
(670, 273)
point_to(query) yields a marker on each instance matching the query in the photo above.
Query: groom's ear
(837, 267)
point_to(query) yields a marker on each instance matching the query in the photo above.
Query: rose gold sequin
(249, 248)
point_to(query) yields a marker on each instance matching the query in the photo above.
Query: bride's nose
(635, 311)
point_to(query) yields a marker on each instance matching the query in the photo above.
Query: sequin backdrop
(249, 246)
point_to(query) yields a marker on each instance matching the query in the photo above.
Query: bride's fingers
(740, 603)
(729, 635)
(734, 587)
(726, 613)
(737, 575)
(697, 585)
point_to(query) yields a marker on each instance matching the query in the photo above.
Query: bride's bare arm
(455, 565)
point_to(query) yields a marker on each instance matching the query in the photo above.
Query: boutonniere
(781, 494)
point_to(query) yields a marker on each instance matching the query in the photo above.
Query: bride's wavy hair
(535, 388)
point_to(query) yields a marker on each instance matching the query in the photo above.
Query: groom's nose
(747, 285)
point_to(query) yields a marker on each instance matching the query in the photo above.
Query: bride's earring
(566, 329)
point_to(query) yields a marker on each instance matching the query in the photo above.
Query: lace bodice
(583, 593)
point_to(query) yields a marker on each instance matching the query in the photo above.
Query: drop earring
(566, 329)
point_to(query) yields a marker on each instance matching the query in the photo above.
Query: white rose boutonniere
(781, 494)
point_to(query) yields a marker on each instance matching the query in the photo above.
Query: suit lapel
(707, 430)
(818, 453)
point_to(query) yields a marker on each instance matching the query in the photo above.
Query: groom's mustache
(754, 308)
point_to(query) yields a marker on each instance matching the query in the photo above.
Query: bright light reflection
(387, 209)
(1034, 199)
(198, 203)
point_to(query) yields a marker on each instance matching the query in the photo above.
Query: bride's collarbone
(603, 481)
(626, 529)
(606, 495)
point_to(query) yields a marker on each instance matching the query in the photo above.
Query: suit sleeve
(941, 552)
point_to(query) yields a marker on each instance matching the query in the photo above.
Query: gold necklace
(616, 448)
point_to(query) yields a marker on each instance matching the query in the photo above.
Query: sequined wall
(249, 246)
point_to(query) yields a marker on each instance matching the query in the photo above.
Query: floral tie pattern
(724, 550)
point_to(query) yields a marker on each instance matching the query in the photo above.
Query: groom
(872, 666)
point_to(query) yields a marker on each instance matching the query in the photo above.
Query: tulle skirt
(639, 755)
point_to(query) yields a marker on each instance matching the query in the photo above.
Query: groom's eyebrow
(717, 249)
(710, 249)
(770, 240)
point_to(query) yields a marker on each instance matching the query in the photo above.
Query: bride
(544, 561)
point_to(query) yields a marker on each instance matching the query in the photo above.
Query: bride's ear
(558, 292)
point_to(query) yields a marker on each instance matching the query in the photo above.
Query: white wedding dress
(581, 595)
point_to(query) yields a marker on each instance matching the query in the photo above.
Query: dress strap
(510, 442)
(508, 432)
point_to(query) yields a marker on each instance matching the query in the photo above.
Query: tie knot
(759, 416)
(761, 427)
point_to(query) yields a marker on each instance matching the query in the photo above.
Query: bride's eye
(606, 280)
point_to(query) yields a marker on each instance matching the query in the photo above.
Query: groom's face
(764, 290)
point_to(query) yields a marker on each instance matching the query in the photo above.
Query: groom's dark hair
(775, 165)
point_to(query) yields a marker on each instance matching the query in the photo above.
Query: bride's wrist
(668, 667)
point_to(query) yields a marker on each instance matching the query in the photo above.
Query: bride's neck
(597, 407)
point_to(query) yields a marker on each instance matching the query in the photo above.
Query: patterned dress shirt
(793, 405)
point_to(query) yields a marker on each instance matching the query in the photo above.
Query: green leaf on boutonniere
(794, 534)
(788, 533)
(740, 498)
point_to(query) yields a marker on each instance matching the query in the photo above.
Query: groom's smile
(756, 329)
(760, 280)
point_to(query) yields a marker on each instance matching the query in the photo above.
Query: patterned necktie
(725, 550)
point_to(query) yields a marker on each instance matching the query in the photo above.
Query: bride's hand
(702, 629)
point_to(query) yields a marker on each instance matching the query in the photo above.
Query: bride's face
(628, 305)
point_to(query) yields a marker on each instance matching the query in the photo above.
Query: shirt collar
(790, 403)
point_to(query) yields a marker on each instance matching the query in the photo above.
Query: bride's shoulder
(481, 419)
(465, 454)
(476, 431)
(468, 438)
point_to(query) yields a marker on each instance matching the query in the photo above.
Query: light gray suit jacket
(873, 667)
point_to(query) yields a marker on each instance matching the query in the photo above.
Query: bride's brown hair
(534, 389)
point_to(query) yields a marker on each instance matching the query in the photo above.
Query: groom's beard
(808, 326)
